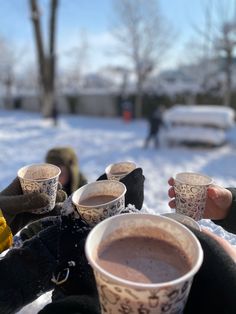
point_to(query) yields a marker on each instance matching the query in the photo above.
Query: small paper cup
(93, 214)
(119, 295)
(41, 178)
(183, 219)
(119, 170)
(191, 193)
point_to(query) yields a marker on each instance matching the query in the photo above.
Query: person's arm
(6, 237)
(17, 207)
(220, 205)
(214, 286)
(26, 272)
(229, 222)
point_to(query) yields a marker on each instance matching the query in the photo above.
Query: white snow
(26, 137)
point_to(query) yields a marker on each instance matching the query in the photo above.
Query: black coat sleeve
(26, 272)
(74, 304)
(214, 286)
(229, 223)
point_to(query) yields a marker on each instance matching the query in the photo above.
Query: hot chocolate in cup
(41, 178)
(99, 200)
(143, 263)
(119, 170)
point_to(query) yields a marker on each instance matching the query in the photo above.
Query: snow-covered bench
(198, 124)
(200, 115)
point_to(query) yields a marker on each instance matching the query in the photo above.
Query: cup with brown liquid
(119, 170)
(41, 178)
(143, 263)
(99, 200)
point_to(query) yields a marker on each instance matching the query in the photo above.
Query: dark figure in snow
(155, 122)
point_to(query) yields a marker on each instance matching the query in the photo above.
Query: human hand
(17, 207)
(134, 182)
(218, 201)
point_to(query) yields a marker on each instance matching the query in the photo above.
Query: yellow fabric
(6, 237)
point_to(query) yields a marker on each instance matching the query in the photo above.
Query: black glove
(26, 272)
(214, 286)
(82, 304)
(134, 182)
(35, 227)
(17, 207)
(72, 260)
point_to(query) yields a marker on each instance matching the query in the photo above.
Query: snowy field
(26, 137)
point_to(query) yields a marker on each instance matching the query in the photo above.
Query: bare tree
(10, 59)
(226, 44)
(46, 57)
(219, 36)
(78, 57)
(142, 36)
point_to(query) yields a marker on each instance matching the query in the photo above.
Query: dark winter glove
(73, 275)
(17, 207)
(134, 182)
(82, 304)
(26, 272)
(35, 227)
(214, 286)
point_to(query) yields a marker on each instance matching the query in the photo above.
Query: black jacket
(26, 272)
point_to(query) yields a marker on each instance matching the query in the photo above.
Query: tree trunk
(139, 99)
(228, 83)
(48, 101)
(46, 60)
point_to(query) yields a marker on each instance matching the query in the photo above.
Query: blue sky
(93, 18)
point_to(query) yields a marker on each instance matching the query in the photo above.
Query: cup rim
(108, 168)
(133, 284)
(95, 183)
(178, 217)
(193, 173)
(38, 165)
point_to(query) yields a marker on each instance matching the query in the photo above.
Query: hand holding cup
(218, 200)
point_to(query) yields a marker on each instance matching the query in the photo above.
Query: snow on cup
(99, 200)
(119, 170)
(132, 256)
(191, 193)
(41, 178)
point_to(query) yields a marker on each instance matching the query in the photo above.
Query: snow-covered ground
(26, 137)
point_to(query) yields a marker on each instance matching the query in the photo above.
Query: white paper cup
(119, 170)
(95, 213)
(117, 294)
(185, 220)
(41, 178)
(191, 193)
